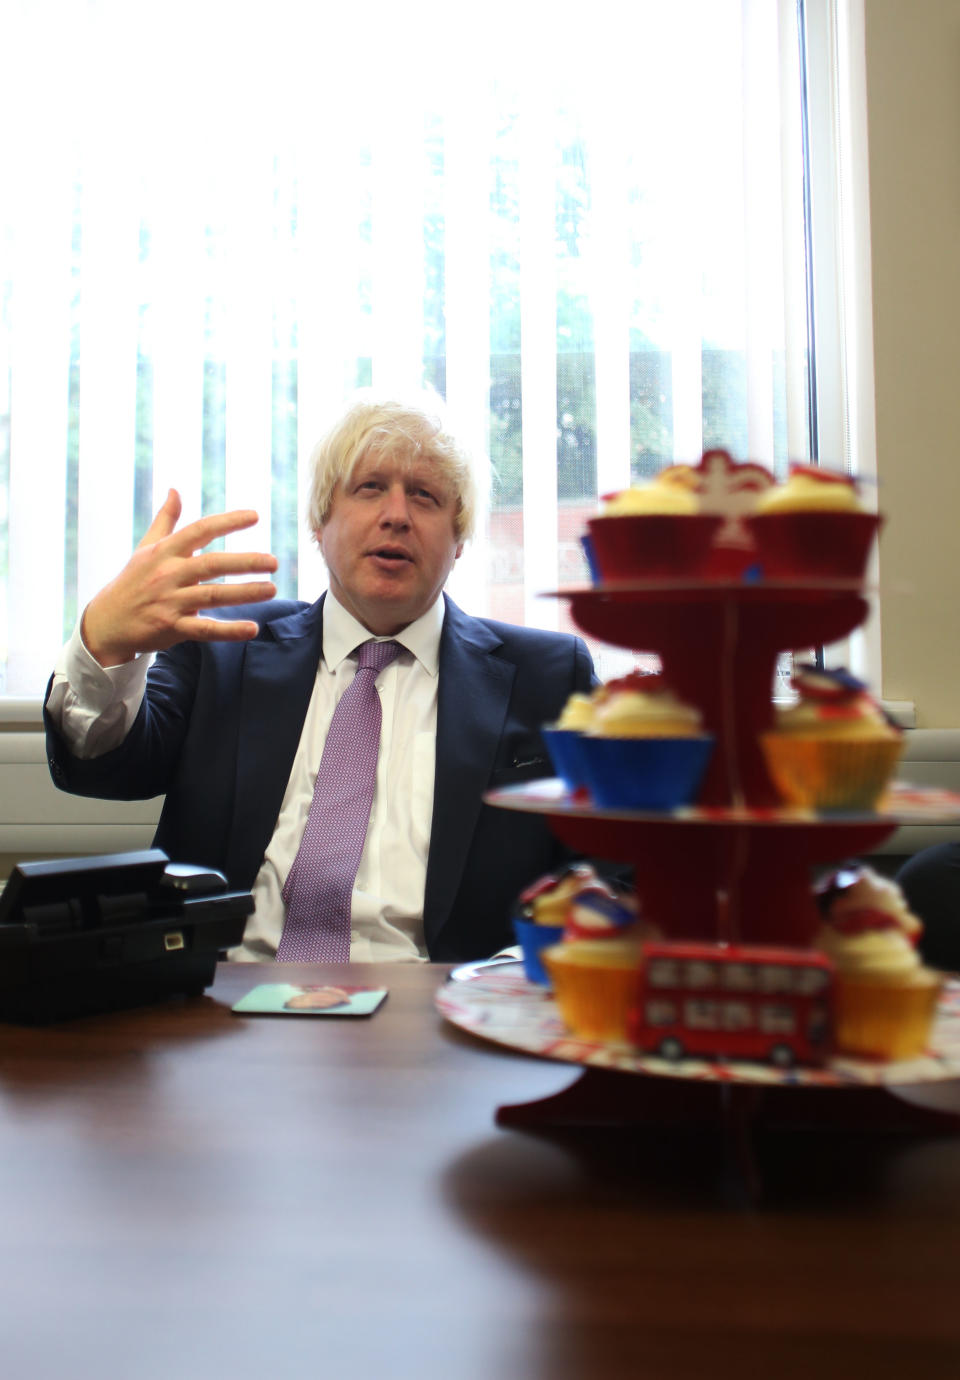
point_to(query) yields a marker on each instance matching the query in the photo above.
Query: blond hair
(408, 431)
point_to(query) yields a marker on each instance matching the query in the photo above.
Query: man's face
(317, 999)
(389, 541)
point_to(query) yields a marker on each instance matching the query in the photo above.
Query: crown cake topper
(725, 487)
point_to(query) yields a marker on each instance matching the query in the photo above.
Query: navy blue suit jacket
(220, 724)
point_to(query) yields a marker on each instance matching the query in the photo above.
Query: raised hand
(159, 596)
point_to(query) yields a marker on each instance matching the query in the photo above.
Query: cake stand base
(603, 1097)
(734, 1117)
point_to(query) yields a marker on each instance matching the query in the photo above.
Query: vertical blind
(583, 225)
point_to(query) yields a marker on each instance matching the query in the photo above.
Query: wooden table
(186, 1192)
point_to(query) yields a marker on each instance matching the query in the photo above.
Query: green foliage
(283, 471)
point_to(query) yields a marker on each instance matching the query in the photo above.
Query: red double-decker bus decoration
(738, 1001)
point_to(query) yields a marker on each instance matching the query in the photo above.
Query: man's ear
(456, 555)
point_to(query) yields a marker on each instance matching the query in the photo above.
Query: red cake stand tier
(719, 642)
(715, 874)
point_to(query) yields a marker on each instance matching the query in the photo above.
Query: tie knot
(377, 655)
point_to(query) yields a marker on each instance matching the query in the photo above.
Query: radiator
(36, 818)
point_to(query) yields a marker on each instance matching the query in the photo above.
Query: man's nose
(394, 508)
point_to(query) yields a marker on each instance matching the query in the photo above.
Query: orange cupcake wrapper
(884, 1020)
(594, 1002)
(830, 774)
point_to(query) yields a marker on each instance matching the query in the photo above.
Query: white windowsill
(20, 711)
(36, 818)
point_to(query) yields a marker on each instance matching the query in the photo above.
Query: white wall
(913, 114)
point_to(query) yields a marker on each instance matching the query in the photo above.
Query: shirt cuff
(93, 706)
(97, 687)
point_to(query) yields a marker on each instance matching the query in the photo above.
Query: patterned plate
(902, 804)
(501, 1006)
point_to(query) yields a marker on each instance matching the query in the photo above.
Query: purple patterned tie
(319, 888)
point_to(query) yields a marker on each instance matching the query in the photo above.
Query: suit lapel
(279, 671)
(473, 695)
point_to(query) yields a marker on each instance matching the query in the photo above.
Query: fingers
(212, 596)
(168, 515)
(213, 565)
(207, 529)
(156, 600)
(196, 534)
(195, 629)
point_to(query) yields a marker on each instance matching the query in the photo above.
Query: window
(663, 972)
(699, 974)
(738, 977)
(810, 982)
(660, 1012)
(777, 1020)
(737, 1015)
(702, 1015)
(772, 978)
(585, 227)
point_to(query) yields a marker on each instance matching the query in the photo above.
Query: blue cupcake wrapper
(644, 773)
(566, 753)
(596, 575)
(532, 939)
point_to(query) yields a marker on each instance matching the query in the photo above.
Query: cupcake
(593, 970)
(653, 530)
(646, 749)
(813, 525)
(885, 998)
(642, 705)
(596, 982)
(601, 910)
(563, 739)
(668, 495)
(835, 749)
(542, 913)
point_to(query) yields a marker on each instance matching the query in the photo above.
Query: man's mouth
(391, 553)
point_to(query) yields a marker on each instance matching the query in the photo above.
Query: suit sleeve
(143, 765)
(585, 676)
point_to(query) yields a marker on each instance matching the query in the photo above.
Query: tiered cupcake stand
(735, 868)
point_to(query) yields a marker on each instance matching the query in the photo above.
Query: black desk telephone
(80, 935)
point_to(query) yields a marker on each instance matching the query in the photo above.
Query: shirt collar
(343, 634)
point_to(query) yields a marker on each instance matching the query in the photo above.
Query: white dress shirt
(94, 707)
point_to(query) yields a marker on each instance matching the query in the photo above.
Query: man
(230, 720)
(931, 884)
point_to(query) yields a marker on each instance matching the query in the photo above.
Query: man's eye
(425, 493)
